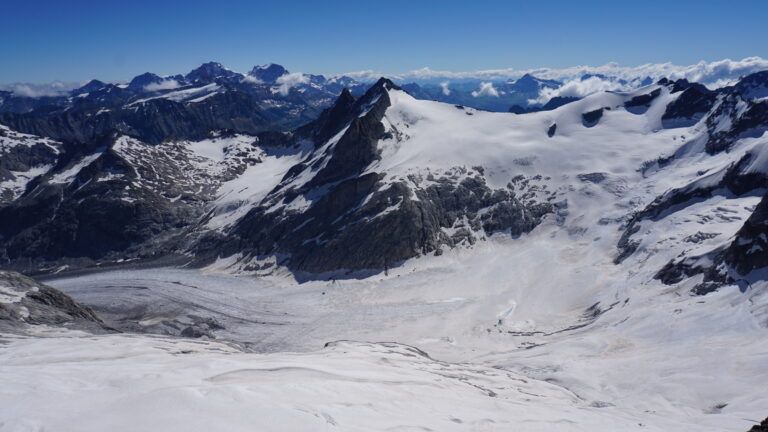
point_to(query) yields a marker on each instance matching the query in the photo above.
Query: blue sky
(76, 40)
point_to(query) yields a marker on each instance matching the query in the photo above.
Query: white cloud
(486, 89)
(363, 75)
(580, 88)
(56, 88)
(286, 82)
(26, 90)
(252, 79)
(712, 74)
(446, 90)
(721, 73)
(162, 85)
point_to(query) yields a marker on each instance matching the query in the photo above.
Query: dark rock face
(591, 118)
(643, 100)
(749, 250)
(746, 253)
(551, 131)
(24, 301)
(736, 179)
(753, 86)
(744, 119)
(762, 427)
(363, 223)
(123, 199)
(690, 106)
(357, 147)
(87, 219)
(330, 121)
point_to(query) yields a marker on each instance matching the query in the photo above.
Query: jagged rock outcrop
(762, 427)
(690, 106)
(590, 119)
(738, 179)
(25, 302)
(639, 104)
(120, 199)
(734, 118)
(749, 250)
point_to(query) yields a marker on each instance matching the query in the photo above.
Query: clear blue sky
(74, 40)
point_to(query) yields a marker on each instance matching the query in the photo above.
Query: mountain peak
(381, 87)
(208, 72)
(346, 97)
(268, 73)
(90, 86)
(141, 81)
(754, 85)
(527, 84)
(385, 84)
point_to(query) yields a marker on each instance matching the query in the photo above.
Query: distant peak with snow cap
(268, 73)
(208, 72)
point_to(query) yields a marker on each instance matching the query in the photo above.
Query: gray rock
(25, 302)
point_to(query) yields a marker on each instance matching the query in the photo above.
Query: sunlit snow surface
(660, 359)
(538, 333)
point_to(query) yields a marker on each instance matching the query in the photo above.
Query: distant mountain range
(188, 173)
(269, 97)
(212, 97)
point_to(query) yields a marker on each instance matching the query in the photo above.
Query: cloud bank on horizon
(716, 73)
(608, 77)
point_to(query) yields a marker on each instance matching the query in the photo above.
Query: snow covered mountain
(329, 196)
(155, 108)
(600, 265)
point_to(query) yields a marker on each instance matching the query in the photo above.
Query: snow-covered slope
(159, 384)
(600, 164)
(22, 158)
(621, 350)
